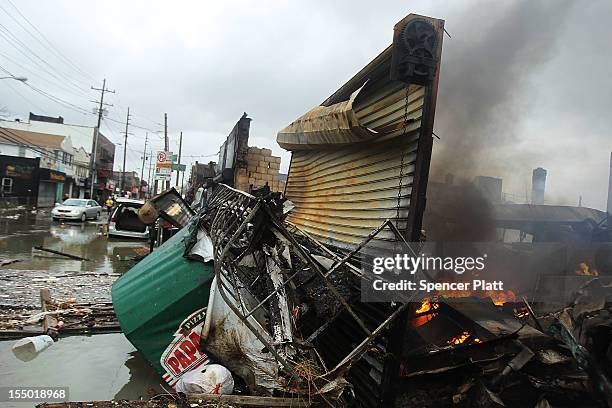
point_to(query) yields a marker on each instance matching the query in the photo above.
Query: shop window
(7, 185)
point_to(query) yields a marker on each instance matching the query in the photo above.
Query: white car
(124, 222)
(77, 209)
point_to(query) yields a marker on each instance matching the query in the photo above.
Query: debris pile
(286, 318)
(57, 318)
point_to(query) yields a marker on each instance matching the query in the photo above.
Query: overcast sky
(523, 85)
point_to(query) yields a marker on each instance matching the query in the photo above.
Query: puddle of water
(19, 236)
(100, 367)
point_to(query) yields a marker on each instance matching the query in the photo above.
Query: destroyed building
(270, 285)
(245, 167)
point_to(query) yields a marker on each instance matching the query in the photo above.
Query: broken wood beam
(249, 400)
(52, 251)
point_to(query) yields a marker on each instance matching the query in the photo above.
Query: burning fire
(498, 298)
(426, 306)
(521, 312)
(462, 338)
(584, 270)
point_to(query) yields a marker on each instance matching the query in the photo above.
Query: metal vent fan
(416, 45)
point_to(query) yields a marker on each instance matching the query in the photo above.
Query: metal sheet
(342, 195)
(325, 127)
(343, 192)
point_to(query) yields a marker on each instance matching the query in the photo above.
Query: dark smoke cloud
(496, 47)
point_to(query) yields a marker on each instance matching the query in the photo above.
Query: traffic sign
(162, 156)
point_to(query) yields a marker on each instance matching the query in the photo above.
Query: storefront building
(18, 180)
(50, 187)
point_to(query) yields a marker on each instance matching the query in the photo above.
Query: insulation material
(230, 341)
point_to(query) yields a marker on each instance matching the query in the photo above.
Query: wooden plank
(78, 258)
(202, 400)
(250, 400)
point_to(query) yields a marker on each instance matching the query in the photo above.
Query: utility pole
(166, 143)
(144, 157)
(182, 183)
(127, 122)
(166, 132)
(149, 181)
(94, 144)
(178, 172)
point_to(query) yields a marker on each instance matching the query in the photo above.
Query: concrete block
(266, 152)
(254, 157)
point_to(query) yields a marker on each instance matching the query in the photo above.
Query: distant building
(80, 137)
(131, 182)
(490, 188)
(55, 169)
(201, 173)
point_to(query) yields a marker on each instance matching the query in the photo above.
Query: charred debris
(300, 300)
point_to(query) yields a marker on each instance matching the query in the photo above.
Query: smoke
(484, 87)
(458, 212)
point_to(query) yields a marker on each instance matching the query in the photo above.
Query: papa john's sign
(184, 353)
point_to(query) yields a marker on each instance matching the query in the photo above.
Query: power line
(13, 137)
(52, 97)
(28, 69)
(19, 42)
(26, 99)
(51, 46)
(136, 126)
(33, 61)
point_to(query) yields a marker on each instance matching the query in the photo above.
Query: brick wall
(261, 168)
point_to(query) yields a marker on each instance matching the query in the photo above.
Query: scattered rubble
(20, 288)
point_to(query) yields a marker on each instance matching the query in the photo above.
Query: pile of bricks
(261, 168)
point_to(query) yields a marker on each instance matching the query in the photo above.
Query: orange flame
(584, 270)
(425, 307)
(521, 312)
(498, 298)
(462, 338)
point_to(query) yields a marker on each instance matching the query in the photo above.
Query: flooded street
(103, 366)
(19, 236)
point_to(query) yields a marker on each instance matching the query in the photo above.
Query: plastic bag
(207, 379)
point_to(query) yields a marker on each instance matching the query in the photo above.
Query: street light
(20, 79)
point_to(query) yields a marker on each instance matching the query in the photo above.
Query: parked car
(76, 209)
(124, 222)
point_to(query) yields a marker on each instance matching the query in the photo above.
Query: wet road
(19, 236)
(93, 367)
